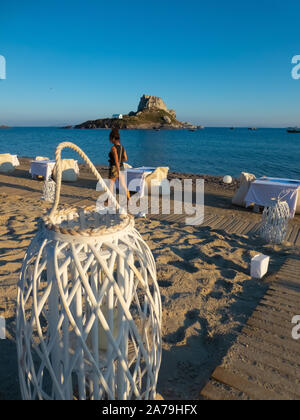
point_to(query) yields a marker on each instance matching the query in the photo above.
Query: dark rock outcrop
(152, 113)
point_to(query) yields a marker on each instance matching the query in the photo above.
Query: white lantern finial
(227, 179)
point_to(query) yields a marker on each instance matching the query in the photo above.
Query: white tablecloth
(136, 179)
(263, 190)
(15, 160)
(42, 168)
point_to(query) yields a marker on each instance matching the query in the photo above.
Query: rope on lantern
(88, 283)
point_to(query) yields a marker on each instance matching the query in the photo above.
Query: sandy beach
(203, 274)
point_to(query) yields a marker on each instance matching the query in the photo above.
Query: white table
(263, 190)
(42, 168)
(136, 179)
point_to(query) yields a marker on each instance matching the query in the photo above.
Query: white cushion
(240, 195)
(157, 176)
(38, 158)
(6, 163)
(70, 170)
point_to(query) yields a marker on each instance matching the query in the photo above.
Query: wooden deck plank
(208, 219)
(274, 329)
(250, 388)
(235, 229)
(216, 392)
(270, 310)
(216, 222)
(288, 285)
(278, 287)
(278, 308)
(297, 241)
(293, 235)
(289, 275)
(269, 337)
(229, 221)
(255, 229)
(279, 319)
(281, 304)
(266, 357)
(244, 228)
(283, 294)
(291, 268)
(258, 343)
(222, 225)
(267, 378)
(232, 225)
(240, 229)
(272, 313)
(289, 231)
(249, 228)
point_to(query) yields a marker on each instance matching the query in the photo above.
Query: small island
(152, 113)
(4, 126)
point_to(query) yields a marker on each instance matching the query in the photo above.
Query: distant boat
(232, 128)
(252, 128)
(293, 130)
(200, 127)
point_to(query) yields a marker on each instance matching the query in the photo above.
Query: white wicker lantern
(275, 220)
(49, 189)
(89, 307)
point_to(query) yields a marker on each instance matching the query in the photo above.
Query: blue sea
(215, 151)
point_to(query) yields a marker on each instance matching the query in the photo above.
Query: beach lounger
(8, 163)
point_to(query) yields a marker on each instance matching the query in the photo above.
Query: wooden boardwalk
(264, 362)
(233, 224)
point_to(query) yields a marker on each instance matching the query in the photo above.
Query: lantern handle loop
(77, 149)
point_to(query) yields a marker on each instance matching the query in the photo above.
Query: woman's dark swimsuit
(113, 170)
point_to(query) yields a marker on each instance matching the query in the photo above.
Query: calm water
(216, 151)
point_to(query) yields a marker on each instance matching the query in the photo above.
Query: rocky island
(152, 113)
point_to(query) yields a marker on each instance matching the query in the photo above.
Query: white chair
(8, 163)
(70, 170)
(41, 158)
(157, 177)
(240, 195)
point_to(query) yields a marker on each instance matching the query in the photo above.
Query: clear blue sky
(215, 62)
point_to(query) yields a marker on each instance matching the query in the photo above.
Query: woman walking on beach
(117, 157)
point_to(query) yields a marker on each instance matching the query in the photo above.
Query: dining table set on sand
(261, 192)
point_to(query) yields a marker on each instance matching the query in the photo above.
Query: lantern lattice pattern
(89, 308)
(275, 222)
(49, 189)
